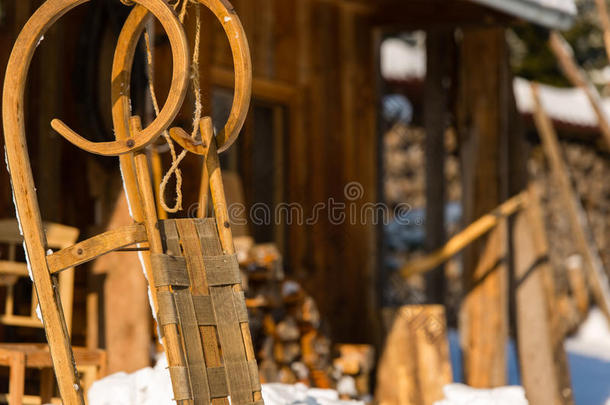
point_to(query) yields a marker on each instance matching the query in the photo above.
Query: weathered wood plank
(96, 246)
(481, 105)
(415, 363)
(543, 370)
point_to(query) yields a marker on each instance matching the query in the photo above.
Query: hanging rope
(174, 169)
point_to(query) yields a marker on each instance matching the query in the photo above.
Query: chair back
(13, 267)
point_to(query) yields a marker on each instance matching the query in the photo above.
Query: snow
(592, 338)
(460, 394)
(569, 105)
(152, 386)
(148, 386)
(285, 394)
(404, 61)
(567, 6)
(589, 357)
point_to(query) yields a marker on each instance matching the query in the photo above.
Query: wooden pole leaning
(577, 76)
(464, 238)
(20, 170)
(596, 274)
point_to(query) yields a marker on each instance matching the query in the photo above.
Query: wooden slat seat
(18, 357)
(37, 355)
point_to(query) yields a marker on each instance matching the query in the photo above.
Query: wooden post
(598, 280)
(544, 367)
(439, 74)
(415, 364)
(481, 105)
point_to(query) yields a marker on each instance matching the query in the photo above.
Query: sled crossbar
(96, 246)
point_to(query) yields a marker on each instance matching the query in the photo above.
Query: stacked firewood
(286, 330)
(589, 170)
(404, 159)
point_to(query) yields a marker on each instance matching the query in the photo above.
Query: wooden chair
(21, 356)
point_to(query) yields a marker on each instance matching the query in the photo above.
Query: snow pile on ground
(284, 394)
(592, 338)
(152, 386)
(148, 386)
(460, 394)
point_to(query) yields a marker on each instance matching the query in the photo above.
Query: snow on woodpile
(403, 60)
(152, 386)
(566, 6)
(569, 105)
(459, 394)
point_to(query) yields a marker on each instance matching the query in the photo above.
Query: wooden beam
(262, 89)
(543, 361)
(425, 14)
(464, 238)
(440, 52)
(96, 246)
(576, 75)
(598, 279)
(482, 103)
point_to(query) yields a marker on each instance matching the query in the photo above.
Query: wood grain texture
(96, 246)
(543, 360)
(171, 334)
(481, 105)
(231, 24)
(180, 76)
(415, 365)
(197, 248)
(226, 238)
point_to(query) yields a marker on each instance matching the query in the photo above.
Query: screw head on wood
(79, 251)
(131, 143)
(227, 224)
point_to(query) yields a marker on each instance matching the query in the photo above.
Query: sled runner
(190, 264)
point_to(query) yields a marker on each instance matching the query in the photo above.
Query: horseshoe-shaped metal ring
(233, 28)
(50, 12)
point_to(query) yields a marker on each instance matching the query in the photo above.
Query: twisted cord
(174, 169)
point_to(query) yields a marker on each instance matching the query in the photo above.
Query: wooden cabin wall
(317, 59)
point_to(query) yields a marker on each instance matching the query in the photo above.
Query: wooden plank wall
(319, 51)
(324, 52)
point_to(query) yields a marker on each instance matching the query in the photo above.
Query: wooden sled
(190, 263)
(214, 328)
